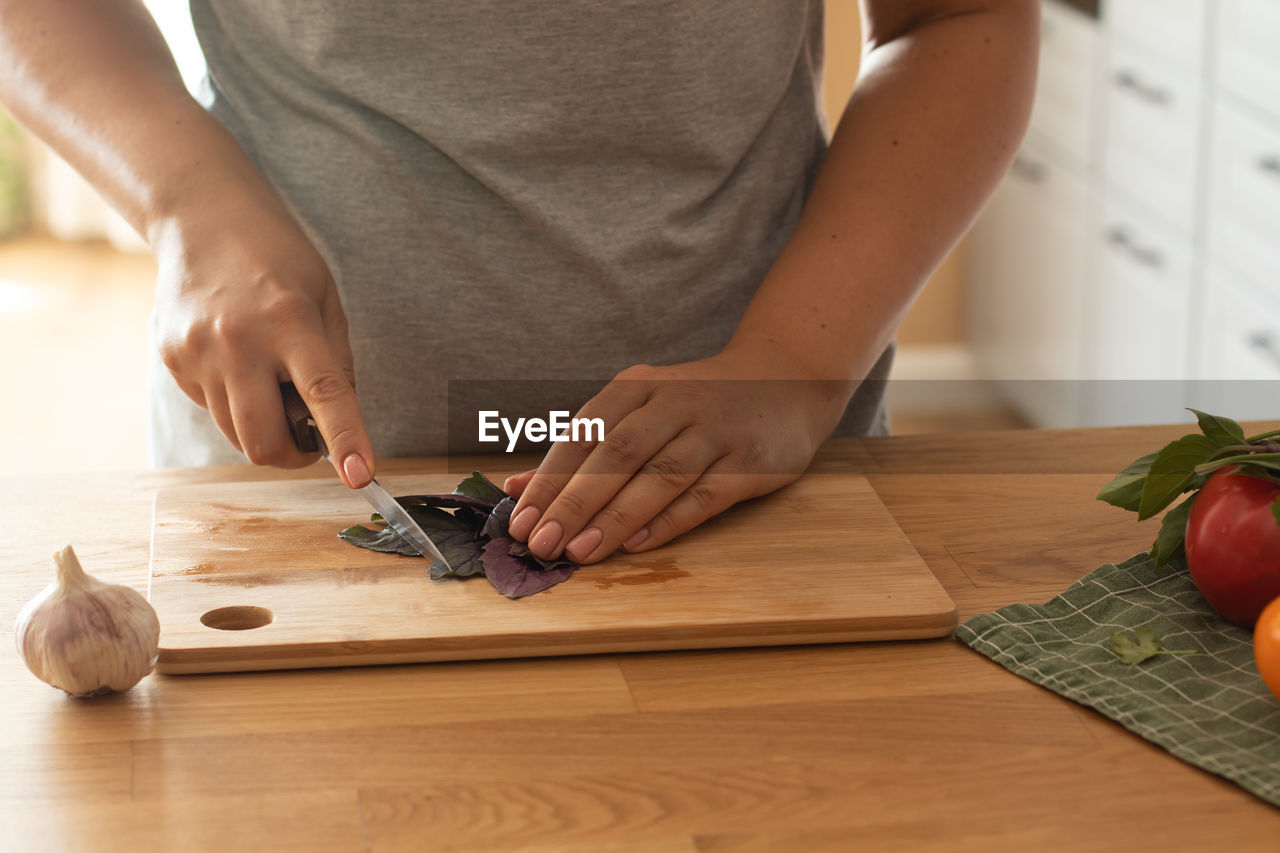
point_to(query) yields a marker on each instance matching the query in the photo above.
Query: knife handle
(302, 426)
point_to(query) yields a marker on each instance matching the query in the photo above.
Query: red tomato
(1266, 646)
(1233, 545)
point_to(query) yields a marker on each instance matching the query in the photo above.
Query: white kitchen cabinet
(1141, 310)
(1029, 256)
(1062, 115)
(1248, 57)
(1172, 30)
(1027, 269)
(1153, 128)
(1244, 192)
(1179, 279)
(1242, 348)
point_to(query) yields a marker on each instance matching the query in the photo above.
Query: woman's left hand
(682, 443)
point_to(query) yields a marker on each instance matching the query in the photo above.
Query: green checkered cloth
(1210, 708)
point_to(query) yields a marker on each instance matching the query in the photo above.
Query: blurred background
(1127, 267)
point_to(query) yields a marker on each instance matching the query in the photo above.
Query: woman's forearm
(243, 301)
(940, 106)
(95, 80)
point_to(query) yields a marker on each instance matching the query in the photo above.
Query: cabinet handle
(1029, 170)
(1266, 343)
(1270, 163)
(1118, 236)
(1151, 94)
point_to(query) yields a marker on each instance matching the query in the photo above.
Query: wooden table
(890, 746)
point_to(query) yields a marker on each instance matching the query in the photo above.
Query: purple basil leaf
(515, 576)
(473, 538)
(520, 549)
(454, 536)
(459, 502)
(495, 526)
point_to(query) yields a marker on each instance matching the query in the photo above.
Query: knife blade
(306, 435)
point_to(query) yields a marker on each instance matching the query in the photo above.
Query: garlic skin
(85, 636)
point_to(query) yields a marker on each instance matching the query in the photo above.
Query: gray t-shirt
(509, 191)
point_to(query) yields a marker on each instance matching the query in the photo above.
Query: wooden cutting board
(252, 576)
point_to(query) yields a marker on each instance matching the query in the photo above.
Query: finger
(719, 488)
(331, 397)
(215, 398)
(659, 482)
(258, 412)
(191, 389)
(613, 403)
(515, 484)
(335, 332)
(608, 468)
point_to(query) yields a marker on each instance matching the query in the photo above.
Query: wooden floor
(73, 342)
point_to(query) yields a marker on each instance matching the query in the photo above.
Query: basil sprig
(1150, 484)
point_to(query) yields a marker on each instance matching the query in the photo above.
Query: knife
(302, 426)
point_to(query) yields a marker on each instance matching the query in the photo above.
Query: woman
(427, 197)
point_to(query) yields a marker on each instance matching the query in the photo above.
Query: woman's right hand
(243, 303)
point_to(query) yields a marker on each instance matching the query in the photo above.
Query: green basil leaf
(1173, 529)
(1125, 489)
(1173, 468)
(1222, 431)
(1275, 509)
(479, 487)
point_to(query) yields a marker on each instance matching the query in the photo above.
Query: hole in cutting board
(238, 618)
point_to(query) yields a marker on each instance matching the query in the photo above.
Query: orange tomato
(1266, 646)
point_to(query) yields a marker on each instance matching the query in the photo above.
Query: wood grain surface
(904, 746)
(252, 576)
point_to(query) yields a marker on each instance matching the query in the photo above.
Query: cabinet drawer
(1143, 304)
(1152, 148)
(1141, 310)
(1242, 349)
(1244, 207)
(1062, 115)
(1248, 61)
(1172, 29)
(1029, 254)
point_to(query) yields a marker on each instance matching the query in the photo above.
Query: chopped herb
(469, 527)
(1147, 646)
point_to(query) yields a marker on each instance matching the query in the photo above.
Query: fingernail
(636, 540)
(581, 546)
(544, 544)
(522, 524)
(356, 471)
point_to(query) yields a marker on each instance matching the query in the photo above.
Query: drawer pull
(1267, 344)
(1029, 170)
(1118, 236)
(1271, 164)
(1151, 94)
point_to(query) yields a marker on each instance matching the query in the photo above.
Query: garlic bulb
(85, 636)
